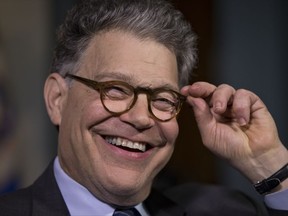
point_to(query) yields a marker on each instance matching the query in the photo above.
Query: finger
(198, 89)
(222, 98)
(201, 110)
(242, 106)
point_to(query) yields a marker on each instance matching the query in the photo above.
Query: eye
(117, 92)
(163, 104)
(165, 101)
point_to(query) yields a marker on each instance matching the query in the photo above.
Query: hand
(236, 125)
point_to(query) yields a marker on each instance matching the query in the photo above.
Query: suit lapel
(159, 205)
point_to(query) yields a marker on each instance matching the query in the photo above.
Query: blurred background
(241, 42)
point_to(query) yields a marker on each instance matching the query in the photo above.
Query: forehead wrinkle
(115, 75)
(132, 80)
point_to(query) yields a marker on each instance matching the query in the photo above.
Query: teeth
(126, 143)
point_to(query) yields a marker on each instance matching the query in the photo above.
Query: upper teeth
(126, 143)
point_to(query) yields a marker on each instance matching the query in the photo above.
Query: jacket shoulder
(43, 197)
(16, 203)
(200, 199)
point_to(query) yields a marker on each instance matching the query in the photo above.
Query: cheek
(170, 130)
(93, 113)
(75, 137)
(86, 109)
(79, 115)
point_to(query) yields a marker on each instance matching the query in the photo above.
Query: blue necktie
(126, 212)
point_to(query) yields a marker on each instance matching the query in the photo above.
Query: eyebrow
(129, 78)
(115, 75)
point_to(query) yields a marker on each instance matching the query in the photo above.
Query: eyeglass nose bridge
(148, 92)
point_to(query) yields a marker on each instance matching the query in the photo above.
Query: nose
(139, 115)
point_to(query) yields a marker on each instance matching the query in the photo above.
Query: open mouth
(127, 144)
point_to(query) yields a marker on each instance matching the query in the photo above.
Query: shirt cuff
(277, 200)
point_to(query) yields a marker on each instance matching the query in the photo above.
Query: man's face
(116, 174)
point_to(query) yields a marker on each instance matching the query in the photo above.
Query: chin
(128, 190)
(129, 195)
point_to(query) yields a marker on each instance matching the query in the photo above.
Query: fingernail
(242, 122)
(218, 105)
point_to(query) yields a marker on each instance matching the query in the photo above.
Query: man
(118, 80)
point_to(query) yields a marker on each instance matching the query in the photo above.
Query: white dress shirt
(277, 200)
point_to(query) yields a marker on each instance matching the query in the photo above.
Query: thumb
(202, 112)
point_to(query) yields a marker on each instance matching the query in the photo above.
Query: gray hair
(147, 19)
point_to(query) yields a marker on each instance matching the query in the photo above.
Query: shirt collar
(79, 200)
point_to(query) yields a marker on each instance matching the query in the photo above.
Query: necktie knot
(126, 212)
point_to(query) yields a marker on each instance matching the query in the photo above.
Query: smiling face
(91, 139)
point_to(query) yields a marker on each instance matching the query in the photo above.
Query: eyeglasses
(119, 97)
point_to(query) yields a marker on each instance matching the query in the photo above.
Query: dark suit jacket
(43, 198)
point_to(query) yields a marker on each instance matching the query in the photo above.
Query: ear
(55, 94)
